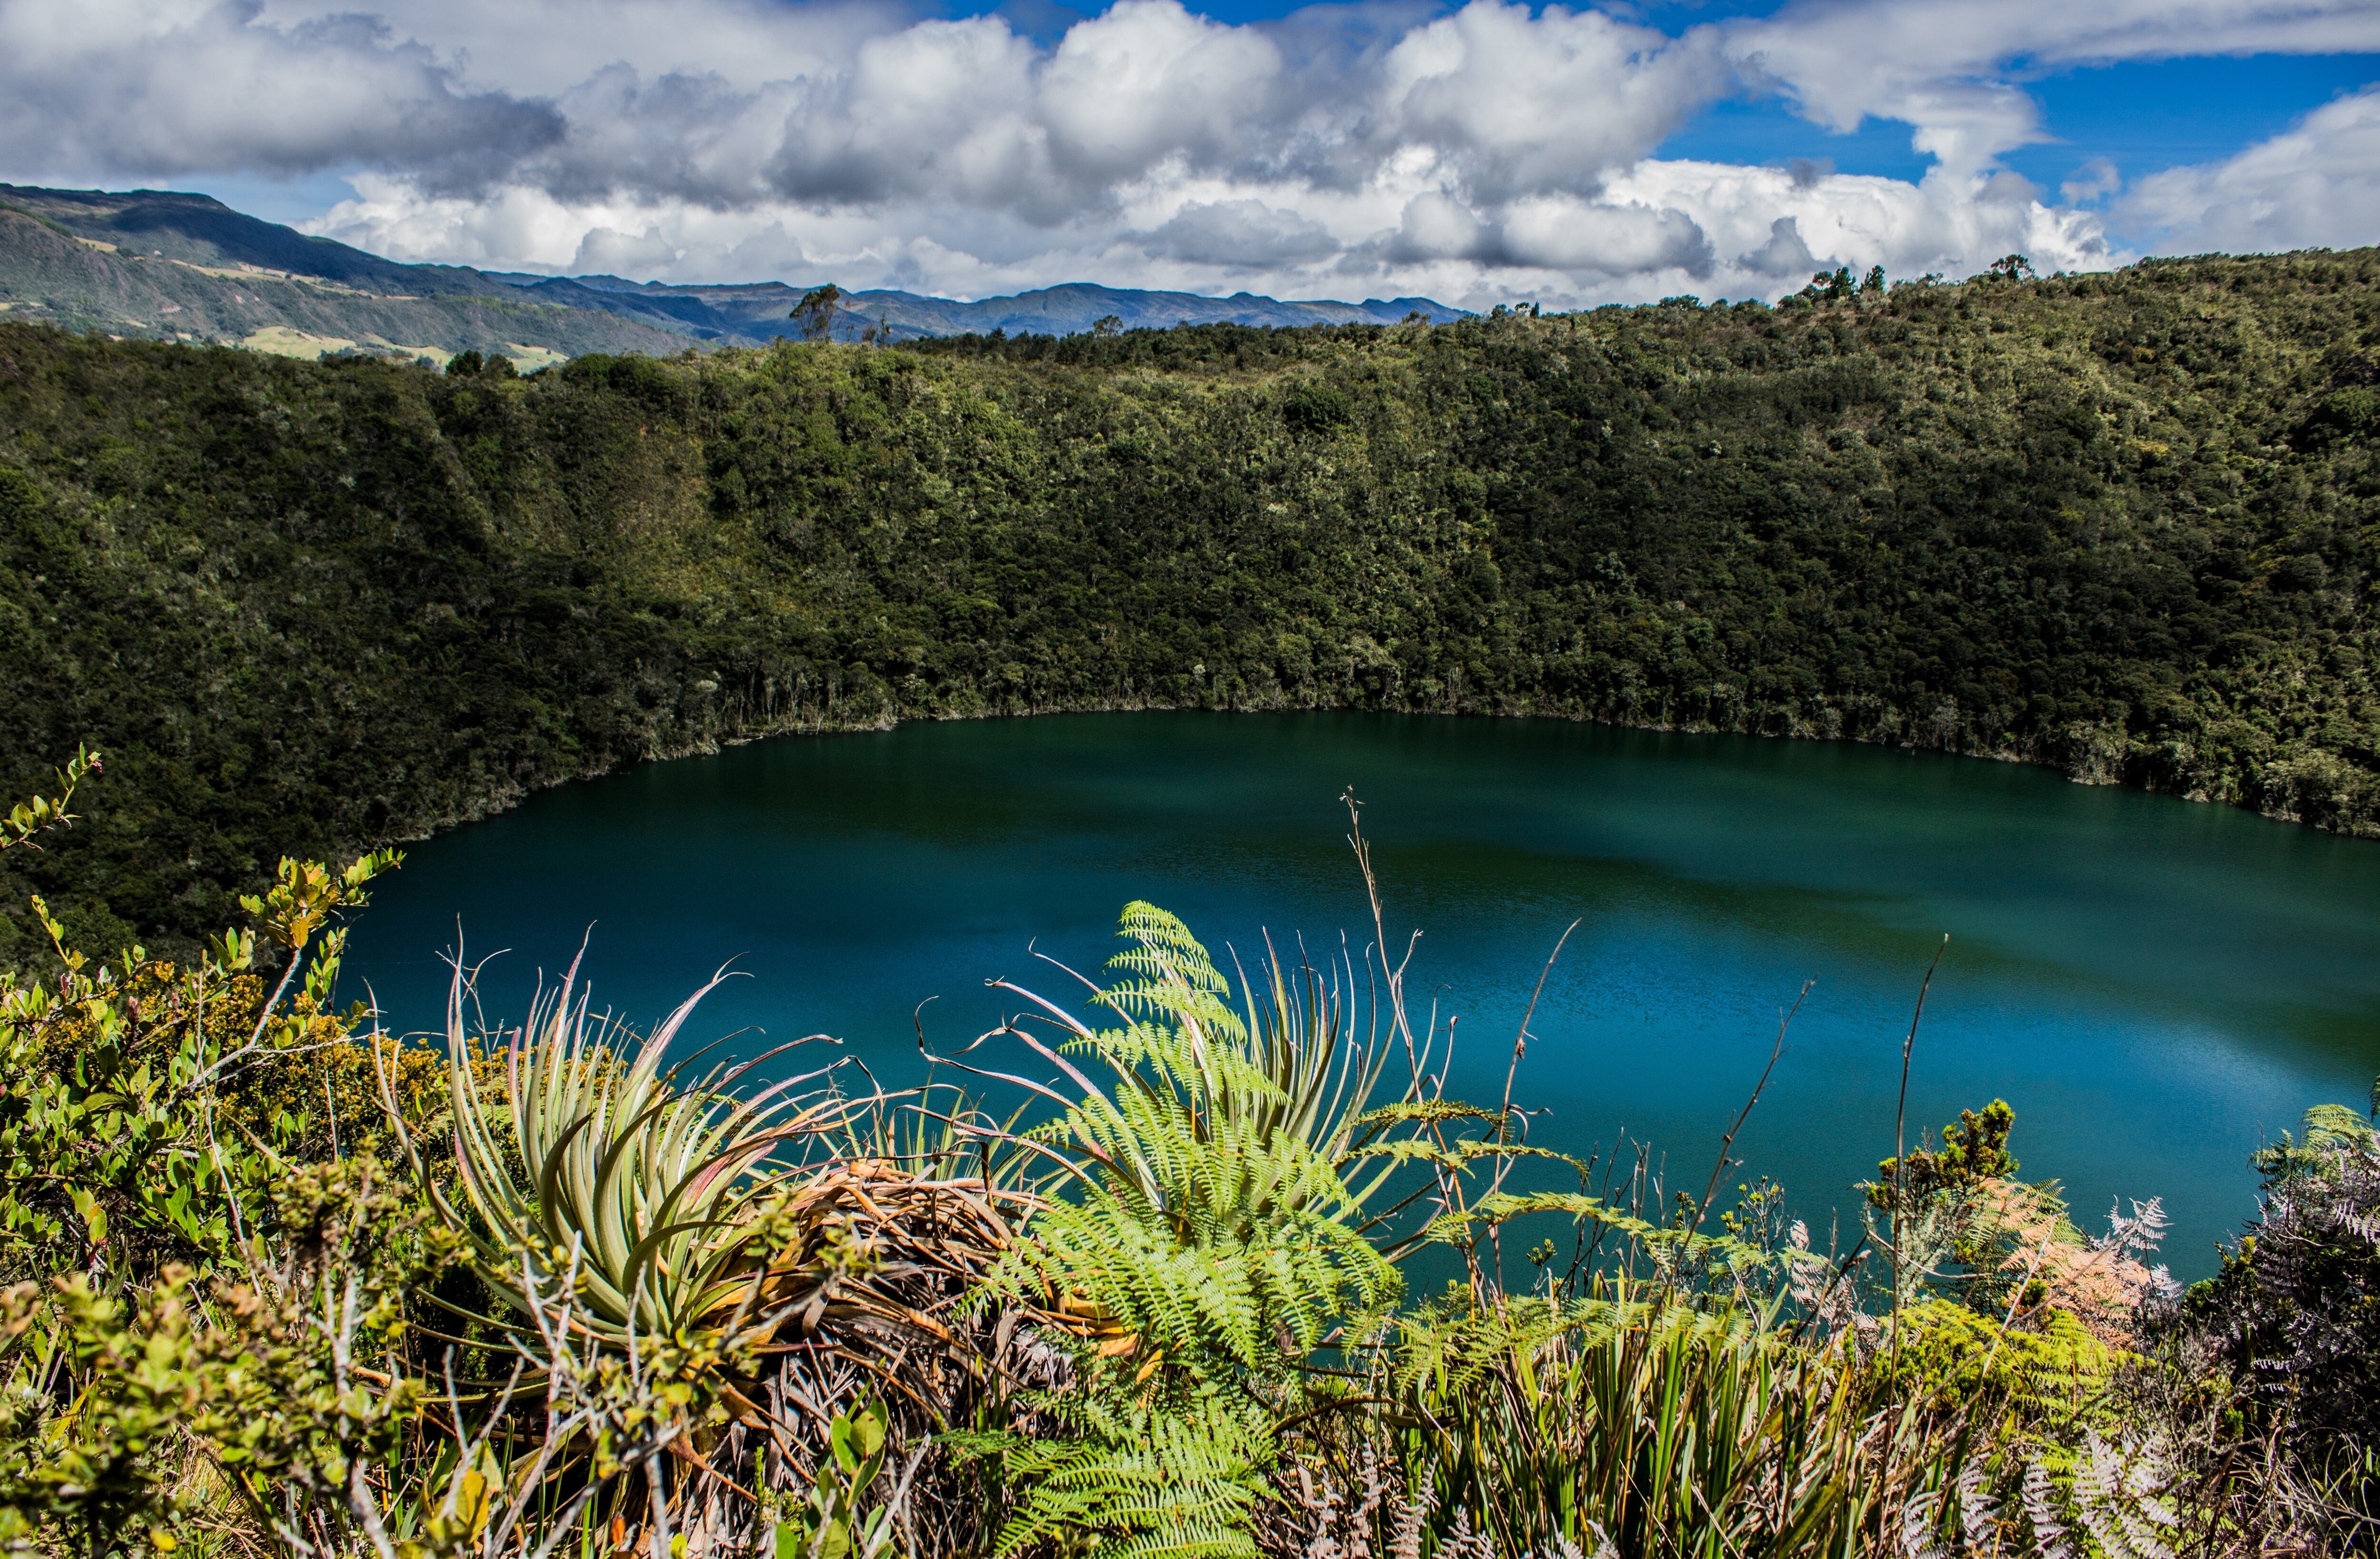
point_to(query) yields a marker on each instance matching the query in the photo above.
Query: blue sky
(2144, 115)
(1471, 152)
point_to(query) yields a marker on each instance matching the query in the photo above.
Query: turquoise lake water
(2156, 986)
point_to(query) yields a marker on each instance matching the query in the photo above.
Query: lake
(2156, 986)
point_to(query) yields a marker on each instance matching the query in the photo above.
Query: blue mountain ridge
(760, 310)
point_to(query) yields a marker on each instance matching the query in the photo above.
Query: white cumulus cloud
(2318, 185)
(117, 87)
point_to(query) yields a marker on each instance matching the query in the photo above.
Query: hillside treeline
(2121, 524)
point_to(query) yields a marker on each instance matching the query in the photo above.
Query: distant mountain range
(172, 266)
(760, 312)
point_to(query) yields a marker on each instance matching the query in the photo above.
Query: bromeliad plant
(603, 1165)
(716, 1278)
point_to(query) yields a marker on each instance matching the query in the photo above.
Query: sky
(1476, 153)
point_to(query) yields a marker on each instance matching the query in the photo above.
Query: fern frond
(1182, 1483)
(1207, 1248)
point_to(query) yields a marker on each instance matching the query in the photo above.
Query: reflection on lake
(2155, 986)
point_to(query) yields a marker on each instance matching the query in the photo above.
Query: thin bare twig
(1726, 1143)
(1900, 1149)
(1504, 1111)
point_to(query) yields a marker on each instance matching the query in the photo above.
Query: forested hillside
(2121, 524)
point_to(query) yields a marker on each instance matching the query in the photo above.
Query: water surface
(2156, 986)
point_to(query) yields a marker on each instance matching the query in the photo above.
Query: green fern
(2326, 1130)
(1208, 1246)
(1139, 1481)
(1217, 1223)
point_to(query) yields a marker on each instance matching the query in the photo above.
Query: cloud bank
(1479, 154)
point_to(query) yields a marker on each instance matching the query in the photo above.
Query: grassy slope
(203, 231)
(2124, 525)
(47, 274)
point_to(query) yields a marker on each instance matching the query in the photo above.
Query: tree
(1830, 285)
(2012, 267)
(815, 315)
(1107, 325)
(1975, 1149)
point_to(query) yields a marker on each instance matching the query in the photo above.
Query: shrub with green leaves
(2291, 1322)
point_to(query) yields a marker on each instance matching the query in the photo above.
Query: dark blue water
(2156, 986)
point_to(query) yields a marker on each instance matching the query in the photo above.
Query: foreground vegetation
(277, 1284)
(2121, 524)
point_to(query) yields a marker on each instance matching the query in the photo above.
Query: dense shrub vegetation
(2121, 524)
(273, 1285)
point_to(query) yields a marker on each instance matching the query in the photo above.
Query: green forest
(2122, 524)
